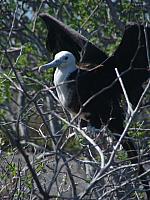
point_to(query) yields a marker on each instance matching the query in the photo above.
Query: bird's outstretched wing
(60, 37)
(131, 60)
(131, 57)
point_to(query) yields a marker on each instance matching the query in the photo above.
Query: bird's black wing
(131, 60)
(132, 56)
(60, 37)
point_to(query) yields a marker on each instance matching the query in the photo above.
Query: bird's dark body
(99, 108)
(130, 58)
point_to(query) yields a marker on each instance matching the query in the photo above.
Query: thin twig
(130, 110)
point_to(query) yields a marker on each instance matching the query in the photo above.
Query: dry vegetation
(45, 155)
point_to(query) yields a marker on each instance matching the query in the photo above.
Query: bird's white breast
(60, 81)
(61, 87)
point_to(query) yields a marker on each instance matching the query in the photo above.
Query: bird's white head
(65, 63)
(62, 59)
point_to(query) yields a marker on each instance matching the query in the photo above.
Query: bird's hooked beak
(53, 64)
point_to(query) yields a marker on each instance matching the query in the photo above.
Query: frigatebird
(91, 86)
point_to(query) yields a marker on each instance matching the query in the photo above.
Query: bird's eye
(66, 58)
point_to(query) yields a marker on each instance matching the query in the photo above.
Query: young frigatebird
(95, 91)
